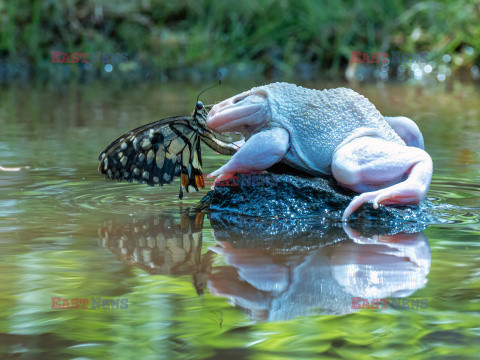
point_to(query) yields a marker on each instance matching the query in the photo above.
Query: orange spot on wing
(199, 181)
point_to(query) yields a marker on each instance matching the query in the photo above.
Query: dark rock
(281, 196)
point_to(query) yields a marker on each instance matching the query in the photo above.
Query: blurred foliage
(189, 38)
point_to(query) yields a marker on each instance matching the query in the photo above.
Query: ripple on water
(76, 191)
(456, 200)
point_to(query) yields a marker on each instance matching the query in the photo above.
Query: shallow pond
(190, 286)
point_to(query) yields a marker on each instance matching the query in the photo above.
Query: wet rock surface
(290, 197)
(290, 234)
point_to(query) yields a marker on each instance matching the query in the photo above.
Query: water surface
(196, 289)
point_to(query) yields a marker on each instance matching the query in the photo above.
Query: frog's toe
(359, 201)
(400, 194)
(224, 180)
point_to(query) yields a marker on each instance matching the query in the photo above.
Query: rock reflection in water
(317, 271)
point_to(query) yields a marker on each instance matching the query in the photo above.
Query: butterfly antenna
(212, 86)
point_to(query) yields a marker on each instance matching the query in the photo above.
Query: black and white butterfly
(158, 152)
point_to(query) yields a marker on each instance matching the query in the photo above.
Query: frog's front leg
(259, 152)
(382, 171)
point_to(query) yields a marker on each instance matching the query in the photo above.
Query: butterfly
(157, 153)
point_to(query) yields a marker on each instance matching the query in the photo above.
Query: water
(198, 289)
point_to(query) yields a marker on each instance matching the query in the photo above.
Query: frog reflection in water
(335, 132)
(302, 269)
(323, 280)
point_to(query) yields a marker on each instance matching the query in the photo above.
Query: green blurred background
(192, 40)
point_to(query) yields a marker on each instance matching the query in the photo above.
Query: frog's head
(243, 113)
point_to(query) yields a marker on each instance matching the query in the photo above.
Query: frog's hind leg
(382, 171)
(407, 130)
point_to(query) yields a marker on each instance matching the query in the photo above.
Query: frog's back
(319, 121)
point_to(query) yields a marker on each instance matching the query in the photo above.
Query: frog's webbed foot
(229, 179)
(400, 194)
(386, 173)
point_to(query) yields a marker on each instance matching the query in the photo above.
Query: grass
(189, 38)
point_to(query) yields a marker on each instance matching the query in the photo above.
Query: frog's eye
(239, 99)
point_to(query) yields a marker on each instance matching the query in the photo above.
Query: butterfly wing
(156, 153)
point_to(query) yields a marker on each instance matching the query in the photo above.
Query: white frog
(335, 132)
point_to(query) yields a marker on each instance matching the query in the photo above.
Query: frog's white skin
(331, 132)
